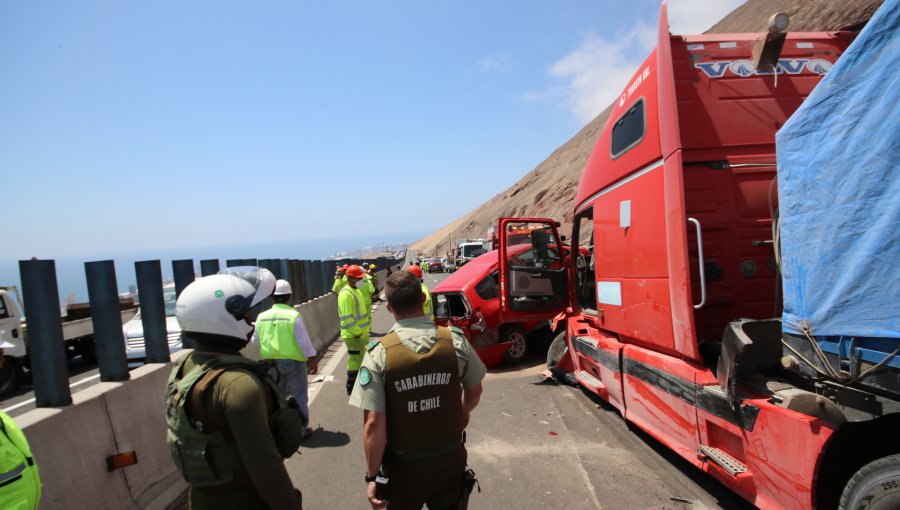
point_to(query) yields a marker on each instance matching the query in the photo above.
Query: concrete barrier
(71, 444)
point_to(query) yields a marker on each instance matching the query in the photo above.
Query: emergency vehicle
(672, 317)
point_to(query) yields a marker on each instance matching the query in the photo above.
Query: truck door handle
(700, 258)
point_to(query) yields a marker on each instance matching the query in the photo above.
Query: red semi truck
(670, 316)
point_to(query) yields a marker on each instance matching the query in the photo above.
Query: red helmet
(345, 266)
(355, 271)
(416, 270)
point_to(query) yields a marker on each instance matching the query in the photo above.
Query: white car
(135, 351)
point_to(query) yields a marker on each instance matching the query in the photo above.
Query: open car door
(533, 281)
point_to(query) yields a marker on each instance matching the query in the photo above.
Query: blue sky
(165, 125)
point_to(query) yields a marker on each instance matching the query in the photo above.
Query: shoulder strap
(195, 403)
(444, 333)
(176, 374)
(390, 340)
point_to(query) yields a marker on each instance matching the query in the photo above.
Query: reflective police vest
(275, 330)
(424, 398)
(192, 443)
(20, 484)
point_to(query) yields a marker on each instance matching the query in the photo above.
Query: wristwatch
(370, 479)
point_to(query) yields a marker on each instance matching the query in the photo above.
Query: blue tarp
(839, 192)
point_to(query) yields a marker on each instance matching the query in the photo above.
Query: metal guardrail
(46, 348)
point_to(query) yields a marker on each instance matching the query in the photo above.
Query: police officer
(354, 318)
(219, 405)
(20, 485)
(281, 336)
(427, 305)
(417, 387)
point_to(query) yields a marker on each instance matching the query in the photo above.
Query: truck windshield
(472, 250)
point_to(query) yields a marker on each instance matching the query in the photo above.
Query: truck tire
(557, 350)
(519, 348)
(86, 348)
(874, 487)
(10, 375)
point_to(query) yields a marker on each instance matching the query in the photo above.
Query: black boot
(351, 380)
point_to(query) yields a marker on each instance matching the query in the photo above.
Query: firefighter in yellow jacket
(354, 319)
(20, 485)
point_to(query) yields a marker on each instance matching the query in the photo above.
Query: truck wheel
(87, 350)
(9, 375)
(519, 348)
(874, 487)
(557, 350)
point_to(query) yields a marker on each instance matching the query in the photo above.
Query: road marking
(336, 358)
(31, 400)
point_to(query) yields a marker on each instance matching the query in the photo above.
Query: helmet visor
(263, 282)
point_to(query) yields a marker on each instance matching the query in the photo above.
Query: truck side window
(628, 130)
(585, 277)
(3, 312)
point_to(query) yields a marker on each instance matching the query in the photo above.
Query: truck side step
(588, 379)
(733, 466)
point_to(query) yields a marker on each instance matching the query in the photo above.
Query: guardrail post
(153, 310)
(297, 281)
(106, 316)
(183, 272)
(273, 266)
(314, 279)
(40, 296)
(240, 262)
(209, 266)
(327, 276)
(285, 268)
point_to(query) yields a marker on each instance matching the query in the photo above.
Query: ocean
(72, 285)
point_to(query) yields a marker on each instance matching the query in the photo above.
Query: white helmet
(217, 304)
(282, 288)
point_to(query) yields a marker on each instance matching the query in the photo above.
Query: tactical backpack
(193, 443)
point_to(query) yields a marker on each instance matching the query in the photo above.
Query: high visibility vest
(339, 283)
(352, 313)
(20, 484)
(275, 330)
(426, 306)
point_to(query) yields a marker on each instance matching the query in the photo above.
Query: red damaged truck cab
(674, 211)
(470, 300)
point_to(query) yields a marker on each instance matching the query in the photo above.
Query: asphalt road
(532, 444)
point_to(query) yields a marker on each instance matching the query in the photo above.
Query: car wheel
(874, 487)
(9, 375)
(519, 348)
(86, 348)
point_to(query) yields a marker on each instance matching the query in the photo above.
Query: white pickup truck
(78, 335)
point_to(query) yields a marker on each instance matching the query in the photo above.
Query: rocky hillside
(549, 190)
